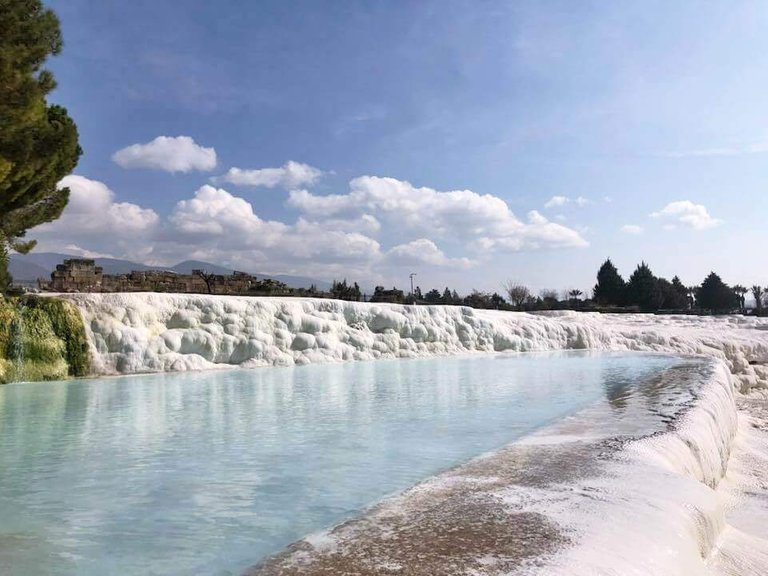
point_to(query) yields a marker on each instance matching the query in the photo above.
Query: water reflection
(203, 472)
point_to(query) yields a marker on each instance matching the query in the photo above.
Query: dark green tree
(343, 291)
(741, 292)
(643, 289)
(673, 294)
(758, 293)
(610, 288)
(715, 295)
(681, 294)
(477, 299)
(38, 142)
(433, 296)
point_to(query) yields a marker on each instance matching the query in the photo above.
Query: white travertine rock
(148, 332)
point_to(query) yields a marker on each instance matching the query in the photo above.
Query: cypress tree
(643, 289)
(610, 287)
(716, 295)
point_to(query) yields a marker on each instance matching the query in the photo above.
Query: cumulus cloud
(214, 217)
(93, 216)
(167, 153)
(686, 213)
(379, 225)
(423, 251)
(424, 212)
(632, 229)
(92, 210)
(290, 175)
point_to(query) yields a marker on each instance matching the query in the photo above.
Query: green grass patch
(41, 339)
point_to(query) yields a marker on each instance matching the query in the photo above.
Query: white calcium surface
(149, 332)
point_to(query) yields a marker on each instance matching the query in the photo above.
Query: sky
(473, 143)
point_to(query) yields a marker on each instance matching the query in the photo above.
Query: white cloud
(688, 214)
(378, 227)
(632, 229)
(423, 251)
(93, 216)
(216, 218)
(424, 212)
(538, 234)
(92, 209)
(556, 201)
(85, 253)
(171, 154)
(535, 217)
(290, 175)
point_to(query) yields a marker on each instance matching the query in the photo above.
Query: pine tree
(681, 293)
(610, 288)
(38, 142)
(716, 295)
(433, 296)
(643, 289)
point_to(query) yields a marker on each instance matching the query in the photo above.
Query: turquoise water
(208, 472)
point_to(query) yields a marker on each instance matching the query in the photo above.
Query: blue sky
(422, 136)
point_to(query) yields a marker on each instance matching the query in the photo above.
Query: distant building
(76, 275)
(82, 275)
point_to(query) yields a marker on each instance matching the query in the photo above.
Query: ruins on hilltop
(82, 275)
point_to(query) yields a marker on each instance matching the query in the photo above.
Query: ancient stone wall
(82, 275)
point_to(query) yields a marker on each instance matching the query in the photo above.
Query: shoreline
(542, 504)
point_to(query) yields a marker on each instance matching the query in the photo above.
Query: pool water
(208, 472)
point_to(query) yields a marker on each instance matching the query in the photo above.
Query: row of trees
(649, 293)
(643, 291)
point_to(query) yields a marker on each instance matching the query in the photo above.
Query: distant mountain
(27, 272)
(116, 266)
(187, 266)
(300, 281)
(27, 268)
(47, 260)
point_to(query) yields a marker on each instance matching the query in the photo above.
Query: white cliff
(148, 332)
